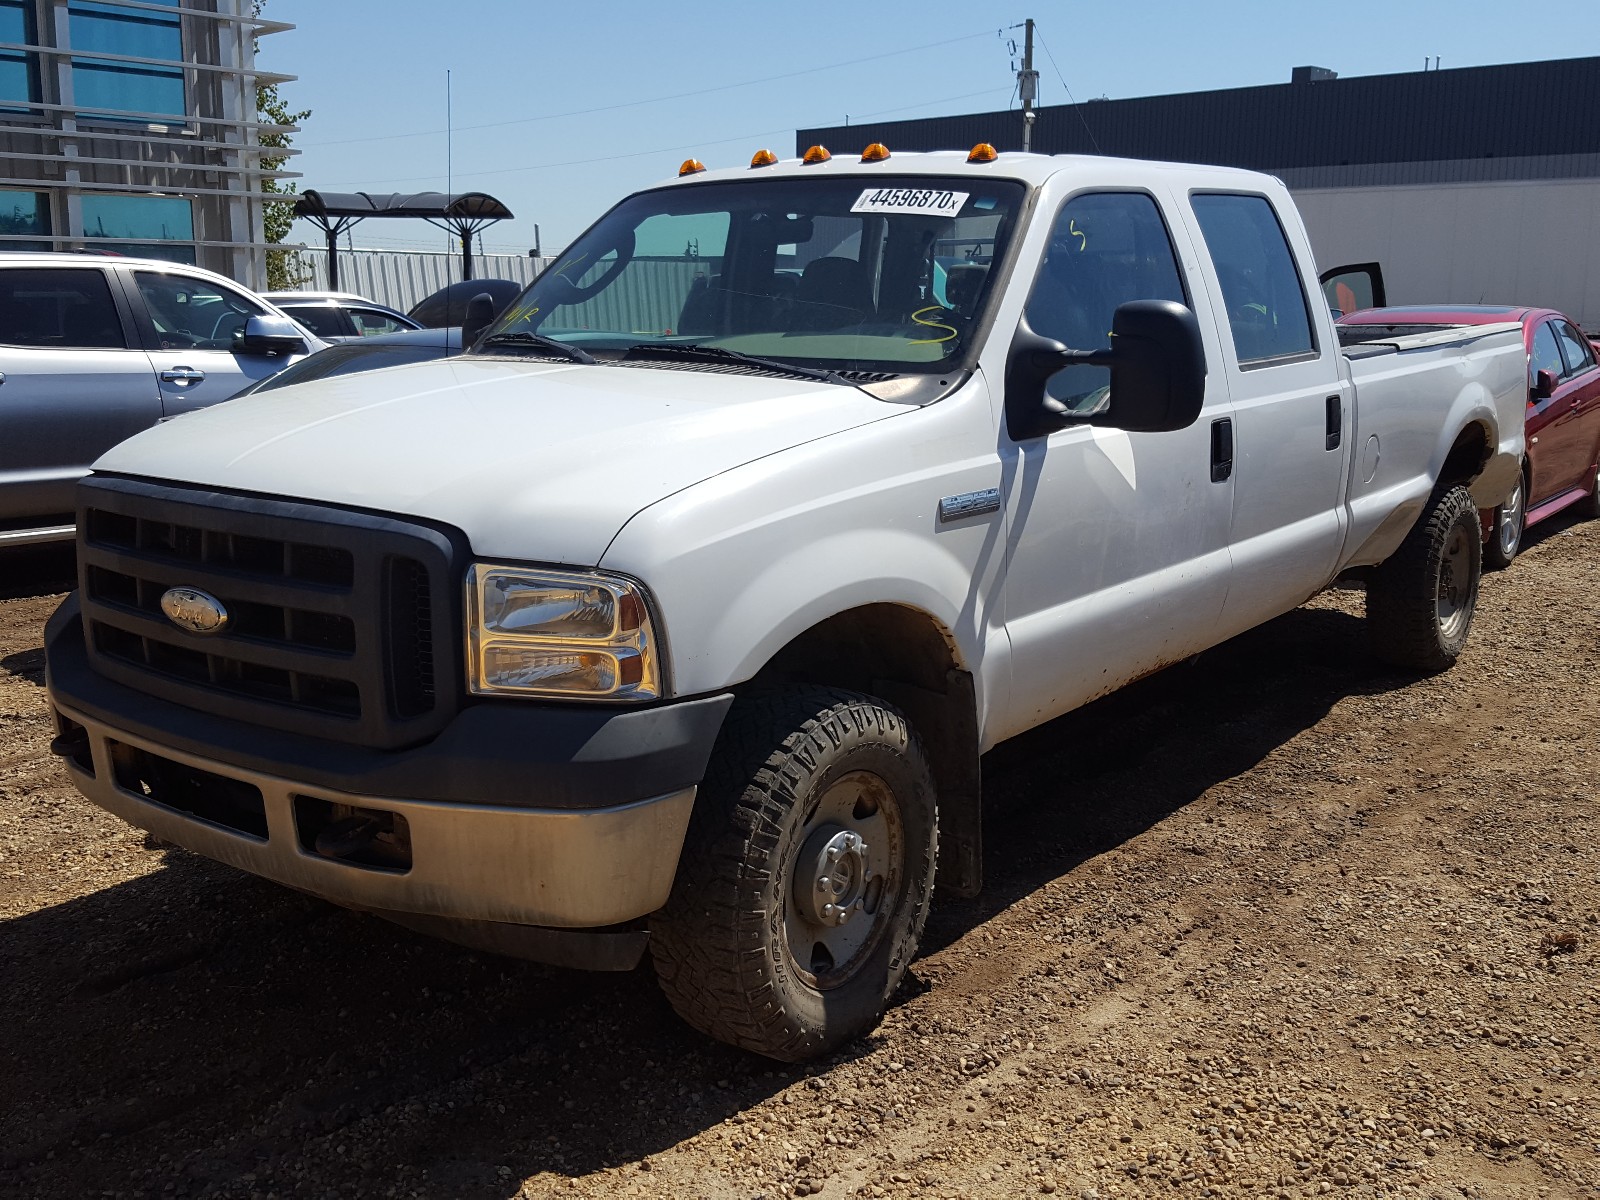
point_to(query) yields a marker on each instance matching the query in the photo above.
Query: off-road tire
(721, 945)
(1503, 544)
(1434, 567)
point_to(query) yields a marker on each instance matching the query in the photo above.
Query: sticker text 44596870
(931, 201)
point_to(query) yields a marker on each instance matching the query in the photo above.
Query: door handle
(1221, 449)
(182, 375)
(1333, 424)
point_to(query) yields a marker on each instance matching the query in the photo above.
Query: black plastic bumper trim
(512, 753)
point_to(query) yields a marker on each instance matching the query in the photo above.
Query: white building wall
(1534, 243)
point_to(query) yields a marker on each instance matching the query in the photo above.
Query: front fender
(742, 564)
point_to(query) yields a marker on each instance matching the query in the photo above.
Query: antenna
(449, 139)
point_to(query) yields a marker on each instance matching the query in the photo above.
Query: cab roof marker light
(982, 153)
(762, 158)
(876, 152)
(691, 166)
(817, 154)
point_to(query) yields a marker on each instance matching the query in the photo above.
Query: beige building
(130, 126)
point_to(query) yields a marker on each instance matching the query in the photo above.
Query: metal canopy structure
(463, 214)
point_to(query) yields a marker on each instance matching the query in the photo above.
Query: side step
(27, 537)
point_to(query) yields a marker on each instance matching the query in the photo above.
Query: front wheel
(1505, 535)
(805, 877)
(1420, 601)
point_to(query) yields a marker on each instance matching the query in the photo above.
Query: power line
(696, 145)
(583, 112)
(1078, 108)
(579, 162)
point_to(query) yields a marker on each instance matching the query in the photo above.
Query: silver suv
(92, 350)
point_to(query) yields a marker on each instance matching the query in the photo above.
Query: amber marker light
(983, 152)
(816, 154)
(763, 158)
(691, 166)
(876, 152)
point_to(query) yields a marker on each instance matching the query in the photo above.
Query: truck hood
(532, 460)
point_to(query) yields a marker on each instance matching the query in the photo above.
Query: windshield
(862, 274)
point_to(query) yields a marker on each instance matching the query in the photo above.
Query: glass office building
(130, 126)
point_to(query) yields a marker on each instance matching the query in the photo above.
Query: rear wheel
(805, 877)
(1505, 535)
(1421, 600)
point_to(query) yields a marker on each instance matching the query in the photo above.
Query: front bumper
(517, 814)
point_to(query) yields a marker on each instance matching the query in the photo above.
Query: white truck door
(1291, 406)
(193, 321)
(71, 387)
(1119, 555)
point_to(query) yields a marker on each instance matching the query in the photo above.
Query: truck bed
(1408, 387)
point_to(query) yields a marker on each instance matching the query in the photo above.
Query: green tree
(285, 268)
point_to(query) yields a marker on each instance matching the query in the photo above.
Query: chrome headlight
(566, 635)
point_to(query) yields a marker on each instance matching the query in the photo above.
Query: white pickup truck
(676, 615)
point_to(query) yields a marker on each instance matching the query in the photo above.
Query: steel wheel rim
(1452, 592)
(1510, 527)
(850, 860)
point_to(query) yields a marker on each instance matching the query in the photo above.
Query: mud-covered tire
(742, 949)
(1420, 601)
(1506, 527)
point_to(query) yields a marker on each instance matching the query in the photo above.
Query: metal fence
(400, 278)
(653, 303)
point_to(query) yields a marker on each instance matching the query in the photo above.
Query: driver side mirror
(269, 336)
(1158, 374)
(1544, 384)
(480, 312)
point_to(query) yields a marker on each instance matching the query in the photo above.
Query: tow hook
(72, 744)
(369, 839)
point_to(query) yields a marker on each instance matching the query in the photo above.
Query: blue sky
(561, 109)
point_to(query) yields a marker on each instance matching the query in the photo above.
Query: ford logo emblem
(194, 611)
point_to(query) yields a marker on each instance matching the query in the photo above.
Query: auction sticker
(930, 201)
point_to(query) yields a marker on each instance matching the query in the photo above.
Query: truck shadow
(1089, 781)
(248, 1032)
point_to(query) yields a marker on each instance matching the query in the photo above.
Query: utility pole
(1027, 85)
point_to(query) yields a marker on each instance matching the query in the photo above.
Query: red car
(1563, 429)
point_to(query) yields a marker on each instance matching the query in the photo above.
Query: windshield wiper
(716, 354)
(539, 341)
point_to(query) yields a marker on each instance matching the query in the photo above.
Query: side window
(1106, 249)
(322, 319)
(59, 310)
(1574, 348)
(1261, 288)
(191, 313)
(1546, 354)
(369, 322)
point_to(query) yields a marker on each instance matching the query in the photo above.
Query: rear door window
(1266, 304)
(59, 309)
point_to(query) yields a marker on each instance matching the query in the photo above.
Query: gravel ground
(1274, 924)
